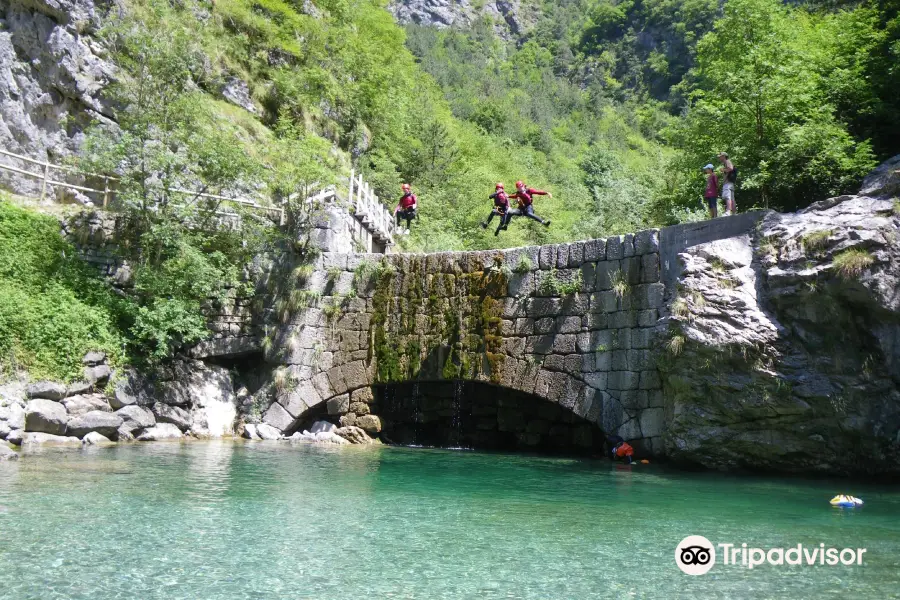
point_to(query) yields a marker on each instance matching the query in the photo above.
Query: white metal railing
(108, 192)
(374, 215)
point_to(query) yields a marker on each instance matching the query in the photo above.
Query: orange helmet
(405, 187)
(499, 186)
(520, 184)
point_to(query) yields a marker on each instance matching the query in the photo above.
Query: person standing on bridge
(525, 196)
(500, 208)
(728, 185)
(711, 193)
(407, 207)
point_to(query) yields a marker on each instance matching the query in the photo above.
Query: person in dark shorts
(525, 196)
(500, 208)
(406, 208)
(711, 193)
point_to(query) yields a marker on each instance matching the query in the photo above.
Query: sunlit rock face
(52, 74)
(783, 351)
(509, 21)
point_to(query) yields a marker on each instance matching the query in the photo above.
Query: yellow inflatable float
(845, 501)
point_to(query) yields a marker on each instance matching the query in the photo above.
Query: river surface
(232, 519)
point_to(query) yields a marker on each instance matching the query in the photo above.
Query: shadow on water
(476, 415)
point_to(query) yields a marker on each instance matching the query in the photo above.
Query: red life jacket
(525, 196)
(407, 200)
(624, 450)
(501, 201)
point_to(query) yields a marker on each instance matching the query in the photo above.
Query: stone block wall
(573, 324)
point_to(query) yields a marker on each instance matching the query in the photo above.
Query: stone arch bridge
(555, 344)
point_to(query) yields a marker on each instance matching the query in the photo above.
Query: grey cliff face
(52, 73)
(777, 358)
(506, 14)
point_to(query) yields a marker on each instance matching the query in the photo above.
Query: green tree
(763, 90)
(166, 151)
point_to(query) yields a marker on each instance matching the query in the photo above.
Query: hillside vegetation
(800, 95)
(53, 308)
(612, 106)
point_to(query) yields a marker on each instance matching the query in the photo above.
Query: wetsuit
(525, 205)
(501, 207)
(406, 209)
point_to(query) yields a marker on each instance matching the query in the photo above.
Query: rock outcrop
(48, 390)
(160, 431)
(52, 73)
(509, 20)
(105, 423)
(188, 397)
(783, 351)
(46, 416)
(7, 453)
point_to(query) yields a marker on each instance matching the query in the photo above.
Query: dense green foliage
(780, 89)
(53, 308)
(181, 252)
(797, 94)
(613, 106)
(598, 156)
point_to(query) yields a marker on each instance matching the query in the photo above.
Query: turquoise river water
(233, 519)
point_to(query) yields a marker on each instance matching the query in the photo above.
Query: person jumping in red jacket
(524, 196)
(406, 208)
(501, 207)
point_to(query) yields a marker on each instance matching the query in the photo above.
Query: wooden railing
(108, 191)
(360, 198)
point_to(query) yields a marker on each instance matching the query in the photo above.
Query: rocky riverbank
(186, 400)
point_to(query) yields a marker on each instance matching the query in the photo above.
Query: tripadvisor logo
(696, 555)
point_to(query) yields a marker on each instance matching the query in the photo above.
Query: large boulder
(81, 404)
(96, 439)
(15, 416)
(36, 438)
(783, 348)
(98, 375)
(46, 416)
(166, 413)
(13, 392)
(135, 418)
(369, 423)
(47, 390)
(104, 423)
(267, 432)
(132, 389)
(249, 432)
(322, 426)
(15, 437)
(160, 431)
(92, 359)
(78, 388)
(7, 453)
(354, 435)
